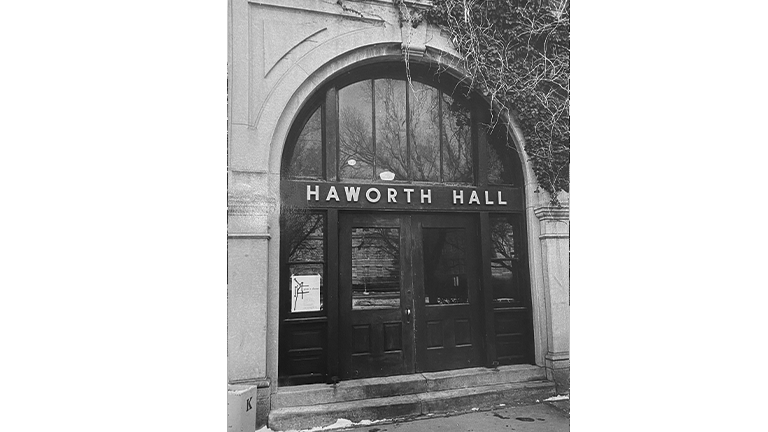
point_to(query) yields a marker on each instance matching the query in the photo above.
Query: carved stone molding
(249, 205)
(552, 213)
(248, 213)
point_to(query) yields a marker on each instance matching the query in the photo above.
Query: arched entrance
(402, 232)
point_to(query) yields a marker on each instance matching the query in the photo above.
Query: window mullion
(373, 126)
(409, 174)
(440, 130)
(331, 130)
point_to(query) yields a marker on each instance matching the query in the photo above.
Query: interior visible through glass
(505, 261)
(445, 271)
(375, 268)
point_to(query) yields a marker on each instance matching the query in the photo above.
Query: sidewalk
(541, 417)
(549, 416)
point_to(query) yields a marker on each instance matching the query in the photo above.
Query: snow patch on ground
(557, 398)
(340, 424)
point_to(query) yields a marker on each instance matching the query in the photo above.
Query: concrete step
(404, 385)
(412, 405)
(442, 392)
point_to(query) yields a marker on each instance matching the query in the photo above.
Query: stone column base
(247, 406)
(558, 367)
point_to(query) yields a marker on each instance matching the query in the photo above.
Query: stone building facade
(282, 54)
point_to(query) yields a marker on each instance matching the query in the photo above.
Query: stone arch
(278, 134)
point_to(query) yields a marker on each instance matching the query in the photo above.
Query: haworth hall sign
(400, 197)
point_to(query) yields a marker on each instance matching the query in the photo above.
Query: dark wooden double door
(409, 294)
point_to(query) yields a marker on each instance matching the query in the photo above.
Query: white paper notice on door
(305, 293)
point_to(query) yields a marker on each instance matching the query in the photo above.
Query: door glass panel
(375, 268)
(445, 270)
(505, 261)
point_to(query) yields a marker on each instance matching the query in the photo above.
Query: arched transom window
(384, 130)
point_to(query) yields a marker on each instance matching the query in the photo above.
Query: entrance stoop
(404, 396)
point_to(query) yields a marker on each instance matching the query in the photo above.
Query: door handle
(408, 315)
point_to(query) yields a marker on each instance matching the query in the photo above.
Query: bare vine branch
(517, 54)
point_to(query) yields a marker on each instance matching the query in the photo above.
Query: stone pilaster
(247, 282)
(555, 251)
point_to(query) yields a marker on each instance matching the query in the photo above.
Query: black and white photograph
(398, 215)
(384, 235)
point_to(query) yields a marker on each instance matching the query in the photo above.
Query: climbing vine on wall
(517, 54)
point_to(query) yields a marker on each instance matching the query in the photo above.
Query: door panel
(409, 294)
(376, 297)
(448, 301)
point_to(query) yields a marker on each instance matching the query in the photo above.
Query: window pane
(505, 261)
(307, 159)
(391, 144)
(457, 142)
(505, 281)
(375, 268)
(503, 163)
(355, 132)
(445, 271)
(502, 238)
(303, 233)
(425, 129)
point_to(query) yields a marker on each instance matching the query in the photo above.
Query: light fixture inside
(387, 175)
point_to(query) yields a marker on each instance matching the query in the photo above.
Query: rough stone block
(241, 408)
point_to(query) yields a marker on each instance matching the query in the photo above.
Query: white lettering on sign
(375, 195)
(353, 193)
(408, 192)
(368, 195)
(305, 293)
(391, 194)
(316, 192)
(458, 196)
(487, 201)
(332, 194)
(427, 195)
